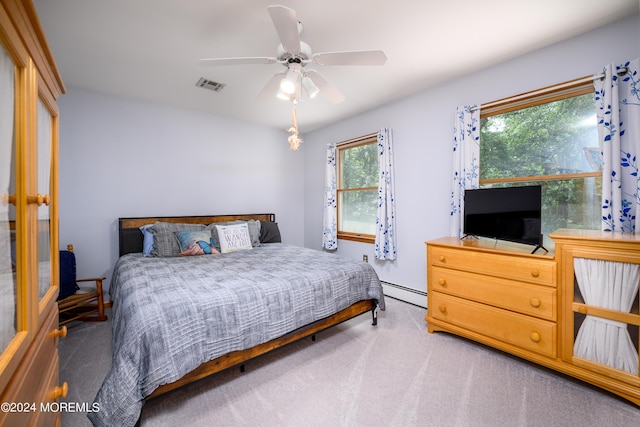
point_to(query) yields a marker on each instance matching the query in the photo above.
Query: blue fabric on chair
(68, 285)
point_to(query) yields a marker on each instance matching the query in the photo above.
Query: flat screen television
(510, 213)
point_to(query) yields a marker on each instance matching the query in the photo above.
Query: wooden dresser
(503, 296)
(29, 86)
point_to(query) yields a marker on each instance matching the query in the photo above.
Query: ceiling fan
(295, 55)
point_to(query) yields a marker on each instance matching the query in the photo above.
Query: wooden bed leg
(374, 313)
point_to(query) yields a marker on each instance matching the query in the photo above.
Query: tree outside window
(551, 142)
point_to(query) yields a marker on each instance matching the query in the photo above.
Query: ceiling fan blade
(329, 91)
(286, 25)
(271, 89)
(362, 57)
(238, 61)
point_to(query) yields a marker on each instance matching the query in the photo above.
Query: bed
(177, 319)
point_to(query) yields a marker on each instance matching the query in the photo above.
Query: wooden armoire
(30, 84)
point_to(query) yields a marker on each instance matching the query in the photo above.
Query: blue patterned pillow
(164, 238)
(196, 243)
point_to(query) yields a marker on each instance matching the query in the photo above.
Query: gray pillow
(254, 232)
(165, 242)
(269, 232)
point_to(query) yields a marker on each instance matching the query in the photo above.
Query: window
(357, 164)
(549, 139)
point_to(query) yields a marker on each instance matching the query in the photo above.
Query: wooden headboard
(130, 236)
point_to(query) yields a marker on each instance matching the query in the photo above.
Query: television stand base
(539, 247)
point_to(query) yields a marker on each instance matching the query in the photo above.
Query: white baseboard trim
(412, 296)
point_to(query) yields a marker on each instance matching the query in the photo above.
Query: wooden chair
(84, 303)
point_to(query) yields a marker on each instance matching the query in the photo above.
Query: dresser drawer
(50, 415)
(523, 268)
(525, 332)
(533, 300)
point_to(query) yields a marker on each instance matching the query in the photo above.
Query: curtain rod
(621, 72)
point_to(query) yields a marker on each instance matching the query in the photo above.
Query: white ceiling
(150, 49)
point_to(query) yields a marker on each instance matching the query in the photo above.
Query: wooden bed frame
(130, 241)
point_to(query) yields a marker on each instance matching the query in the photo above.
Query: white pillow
(234, 237)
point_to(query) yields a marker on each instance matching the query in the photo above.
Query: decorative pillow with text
(234, 237)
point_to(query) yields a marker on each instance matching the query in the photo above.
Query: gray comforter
(172, 314)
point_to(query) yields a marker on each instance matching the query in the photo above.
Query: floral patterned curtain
(330, 222)
(466, 162)
(618, 110)
(385, 243)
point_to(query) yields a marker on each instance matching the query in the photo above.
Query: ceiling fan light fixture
(294, 55)
(283, 95)
(288, 83)
(290, 80)
(310, 87)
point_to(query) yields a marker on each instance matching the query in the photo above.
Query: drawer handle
(60, 391)
(535, 302)
(535, 337)
(62, 332)
(442, 258)
(442, 282)
(535, 273)
(443, 309)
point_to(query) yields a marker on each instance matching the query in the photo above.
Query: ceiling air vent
(210, 84)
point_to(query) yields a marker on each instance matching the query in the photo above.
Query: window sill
(363, 238)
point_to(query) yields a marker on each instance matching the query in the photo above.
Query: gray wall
(423, 129)
(122, 157)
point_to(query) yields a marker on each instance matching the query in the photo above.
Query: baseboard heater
(404, 288)
(410, 295)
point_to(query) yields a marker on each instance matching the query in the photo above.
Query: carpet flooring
(355, 374)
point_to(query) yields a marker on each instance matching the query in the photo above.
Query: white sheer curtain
(611, 285)
(330, 222)
(618, 110)
(385, 243)
(466, 162)
(7, 292)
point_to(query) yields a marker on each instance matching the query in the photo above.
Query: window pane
(44, 187)
(559, 137)
(358, 210)
(359, 167)
(8, 279)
